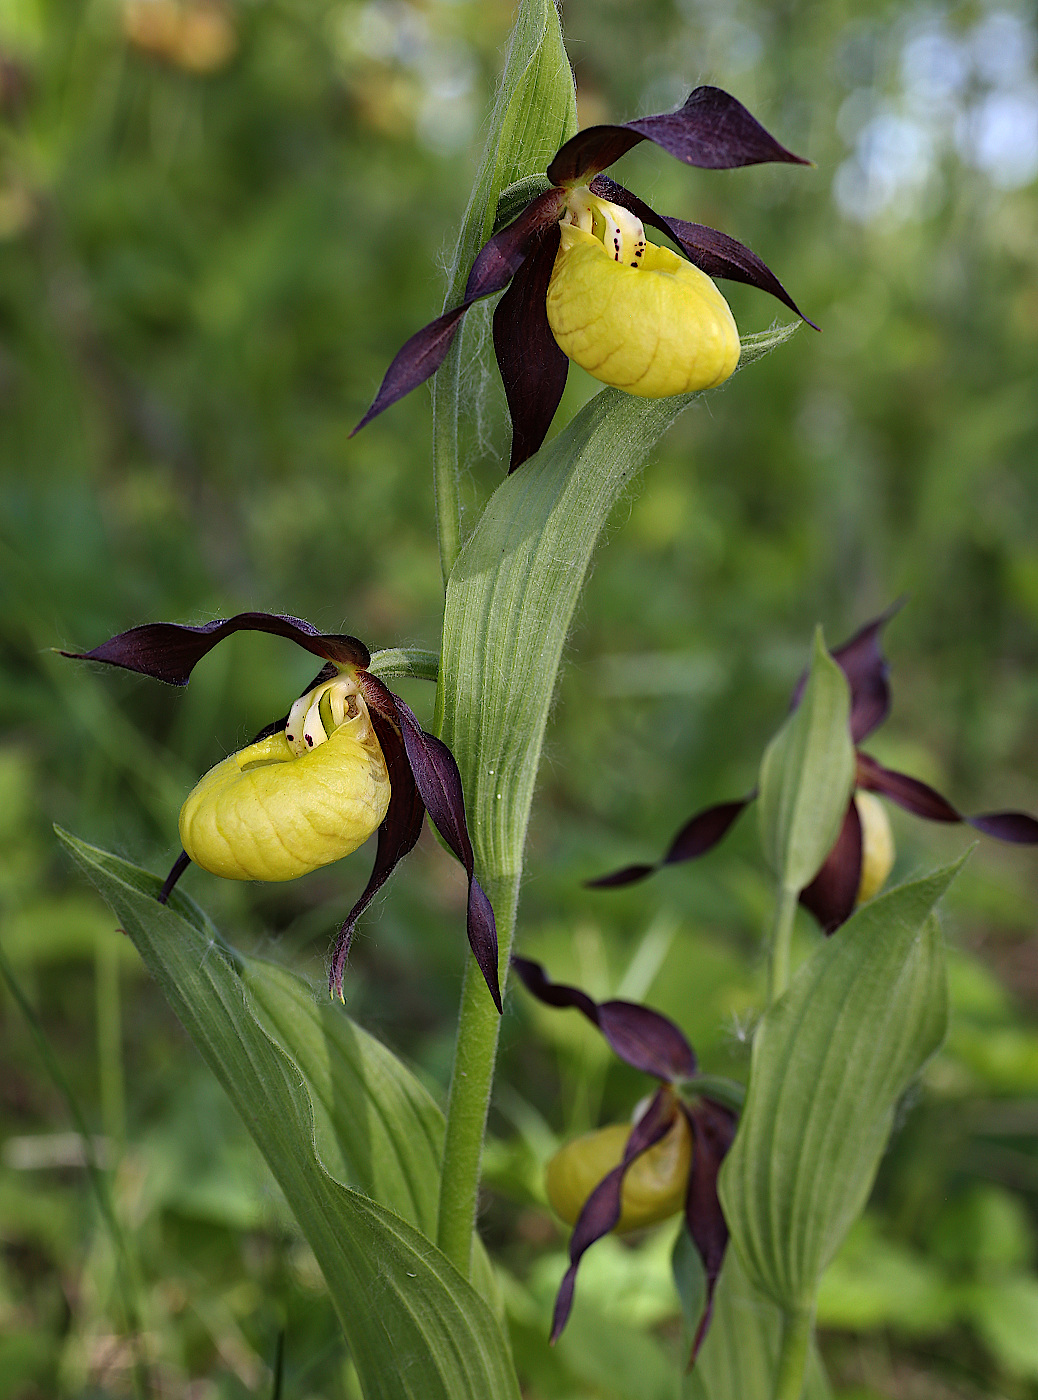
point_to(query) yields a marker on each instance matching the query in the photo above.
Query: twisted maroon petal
(712, 130)
(602, 1208)
(832, 894)
(439, 784)
(641, 1037)
(169, 651)
(532, 366)
(497, 262)
(712, 252)
(1018, 828)
(713, 1131)
(400, 828)
(700, 834)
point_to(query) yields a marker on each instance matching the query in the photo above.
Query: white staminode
(621, 233)
(316, 715)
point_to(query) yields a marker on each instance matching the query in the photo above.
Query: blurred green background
(218, 221)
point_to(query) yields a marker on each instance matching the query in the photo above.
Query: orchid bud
(654, 1186)
(632, 314)
(295, 800)
(877, 845)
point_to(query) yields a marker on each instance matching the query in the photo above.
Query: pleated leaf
(830, 1060)
(807, 775)
(511, 597)
(415, 1328)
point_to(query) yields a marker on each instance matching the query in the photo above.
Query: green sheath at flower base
(654, 1187)
(633, 314)
(296, 800)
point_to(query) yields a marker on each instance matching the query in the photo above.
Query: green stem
(472, 1078)
(781, 939)
(792, 1361)
(445, 454)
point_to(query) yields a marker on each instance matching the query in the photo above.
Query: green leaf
(831, 1058)
(416, 1329)
(739, 1357)
(807, 776)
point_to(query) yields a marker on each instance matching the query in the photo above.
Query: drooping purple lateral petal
(645, 1039)
(712, 130)
(711, 251)
(832, 894)
(169, 651)
(439, 783)
(497, 262)
(602, 1208)
(1018, 828)
(713, 1131)
(532, 366)
(400, 830)
(700, 834)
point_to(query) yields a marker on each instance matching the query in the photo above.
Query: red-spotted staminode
(587, 285)
(348, 759)
(863, 855)
(689, 1132)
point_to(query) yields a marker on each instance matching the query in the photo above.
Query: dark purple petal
(495, 265)
(832, 894)
(532, 366)
(1016, 827)
(641, 1037)
(712, 252)
(181, 863)
(602, 1208)
(400, 830)
(713, 1130)
(168, 651)
(439, 783)
(700, 834)
(712, 130)
(909, 793)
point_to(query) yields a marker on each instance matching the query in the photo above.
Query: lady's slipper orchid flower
(625, 1178)
(350, 758)
(588, 285)
(863, 855)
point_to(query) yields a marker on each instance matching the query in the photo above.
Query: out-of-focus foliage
(218, 221)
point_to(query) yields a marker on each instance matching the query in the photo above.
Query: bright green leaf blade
(807, 776)
(738, 1359)
(830, 1059)
(416, 1329)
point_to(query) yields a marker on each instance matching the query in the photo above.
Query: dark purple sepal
(711, 251)
(439, 782)
(496, 263)
(867, 671)
(641, 1037)
(169, 651)
(713, 1131)
(400, 828)
(712, 130)
(532, 366)
(699, 835)
(602, 1208)
(833, 893)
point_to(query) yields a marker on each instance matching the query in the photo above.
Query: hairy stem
(472, 1078)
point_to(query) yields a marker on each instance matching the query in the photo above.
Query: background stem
(472, 1077)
